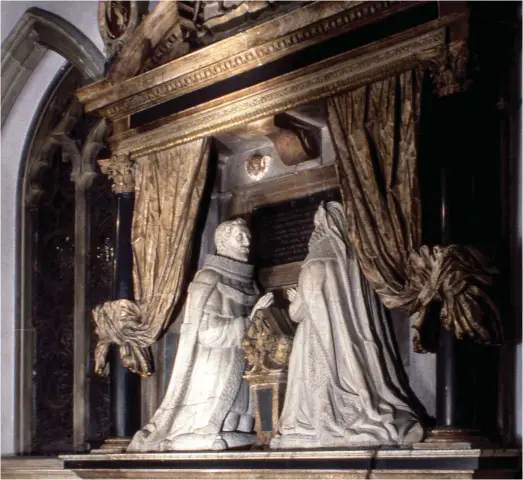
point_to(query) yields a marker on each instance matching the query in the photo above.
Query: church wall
(82, 15)
(13, 137)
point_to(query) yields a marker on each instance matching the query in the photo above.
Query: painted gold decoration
(449, 72)
(265, 350)
(216, 14)
(161, 22)
(367, 126)
(117, 15)
(348, 71)
(169, 187)
(257, 46)
(120, 169)
(270, 387)
(170, 47)
(120, 322)
(236, 64)
(117, 21)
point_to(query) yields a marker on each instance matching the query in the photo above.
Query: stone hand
(266, 301)
(290, 293)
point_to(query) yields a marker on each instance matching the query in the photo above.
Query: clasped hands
(268, 299)
(290, 293)
(265, 301)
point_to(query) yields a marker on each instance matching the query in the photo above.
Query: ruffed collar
(230, 268)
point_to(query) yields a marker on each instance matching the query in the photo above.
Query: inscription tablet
(281, 231)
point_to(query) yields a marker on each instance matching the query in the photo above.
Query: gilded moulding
(260, 45)
(345, 71)
(449, 73)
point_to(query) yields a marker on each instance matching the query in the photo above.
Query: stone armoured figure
(343, 386)
(207, 404)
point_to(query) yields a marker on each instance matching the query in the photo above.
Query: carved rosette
(257, 166)
(120, 169)
(449, 71)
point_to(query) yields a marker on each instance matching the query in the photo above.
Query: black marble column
(125, 385)
(447, 399)
(463, 390)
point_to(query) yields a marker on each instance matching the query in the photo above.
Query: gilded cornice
(349, 70)
(260, 45)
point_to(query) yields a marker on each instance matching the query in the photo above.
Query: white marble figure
(343, 388)
(207, 405)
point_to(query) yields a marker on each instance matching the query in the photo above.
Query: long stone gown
(343, 388)
(207, 405)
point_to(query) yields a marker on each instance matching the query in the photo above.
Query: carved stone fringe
(120, 322)
(454, 275)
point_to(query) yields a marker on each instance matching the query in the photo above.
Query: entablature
(317, 50)
(292, 32)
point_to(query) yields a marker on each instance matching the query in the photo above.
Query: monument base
(394, 463)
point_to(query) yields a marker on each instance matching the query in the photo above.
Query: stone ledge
(34, 467)
(310, 464)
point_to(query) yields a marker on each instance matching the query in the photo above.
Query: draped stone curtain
(374, 133)
(169, 187)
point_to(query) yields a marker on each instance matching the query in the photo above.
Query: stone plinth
(312, 464)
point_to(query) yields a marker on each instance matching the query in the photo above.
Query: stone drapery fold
(374, 134)
(169, 188)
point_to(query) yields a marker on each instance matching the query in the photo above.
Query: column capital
(120, 169)
(449, 70)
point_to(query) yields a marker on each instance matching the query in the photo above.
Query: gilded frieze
(331, 76)
(275, 39)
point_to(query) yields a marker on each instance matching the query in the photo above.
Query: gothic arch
(35, 33)
(59, 127)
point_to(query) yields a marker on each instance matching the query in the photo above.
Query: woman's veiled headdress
(330, 220)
